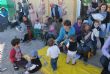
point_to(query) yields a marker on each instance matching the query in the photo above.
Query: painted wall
(71, 7)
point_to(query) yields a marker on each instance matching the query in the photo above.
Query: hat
(2, 8)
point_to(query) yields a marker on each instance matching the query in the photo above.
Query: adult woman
(28, 24)
(65, 32)
(103, 11)
(32, 14)
(84, 46)
(78, 26)
(4, 12)
(92, 7)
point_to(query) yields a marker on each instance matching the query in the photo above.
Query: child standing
(53, 51)
(95, 35)
(72, 49)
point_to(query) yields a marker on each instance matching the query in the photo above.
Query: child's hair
(15, 42)
(67, 23)
(85, 25)
(60, 20)
(50, 20)
(97, 21)
(72, 38)
(51, 42)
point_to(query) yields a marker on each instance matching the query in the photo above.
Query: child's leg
(74, 58)
(73, 61)
(68, 58)
(54, 63)
(15, 65)
(22, 63)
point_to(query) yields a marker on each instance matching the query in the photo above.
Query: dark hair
(79, 18)
(51, 42)
(102, 5)
(96, 21)
(60, 20)
(26, 22)
(30, 4)
(15, 42)
(50, 20)
(72, 38)
(67, 23)
(84, 25)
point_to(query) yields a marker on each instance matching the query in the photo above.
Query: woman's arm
(106, 48)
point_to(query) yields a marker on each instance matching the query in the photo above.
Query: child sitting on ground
(72, 50)
(34, 64)
(37, 25)
(37, 29)
(53, 51)
(16, 56)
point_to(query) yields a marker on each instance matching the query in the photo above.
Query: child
(35, 64)
(37, 25)
(37, 29)
(53, 51)
(95, 35)
(72, 49)
(16, 55)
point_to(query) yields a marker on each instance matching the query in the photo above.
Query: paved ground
(9, 34)
(6, 37)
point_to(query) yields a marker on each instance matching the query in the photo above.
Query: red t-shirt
(12, 55)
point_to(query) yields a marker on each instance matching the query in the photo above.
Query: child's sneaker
(16, 67)
(73, 63)
(26, 72)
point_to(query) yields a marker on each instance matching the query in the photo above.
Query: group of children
(18, 60)
(78, 45)
(78, 39)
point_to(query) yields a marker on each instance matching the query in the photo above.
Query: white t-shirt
(53, 51)
(95, 33)
(37, 26)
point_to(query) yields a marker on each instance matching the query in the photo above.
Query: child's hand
(55, 42)
(81, 41)
(62, 43)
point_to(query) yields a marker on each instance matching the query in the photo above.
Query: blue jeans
(54, 63)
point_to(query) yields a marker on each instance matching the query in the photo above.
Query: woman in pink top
(32, 14)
